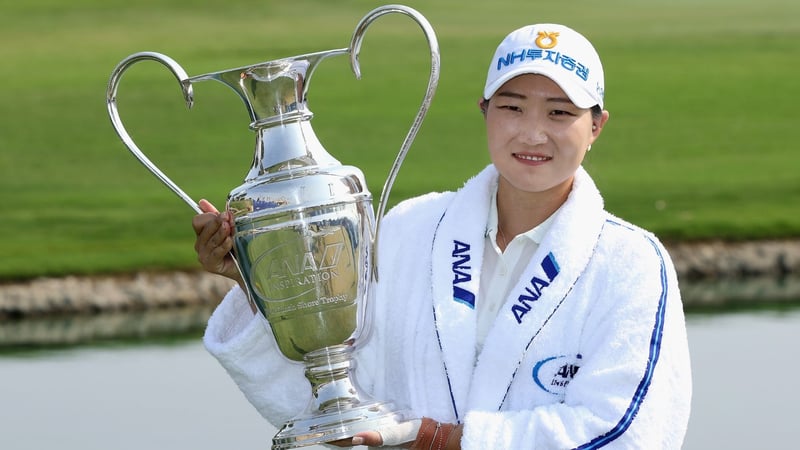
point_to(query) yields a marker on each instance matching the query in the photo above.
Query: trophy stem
(338, 408)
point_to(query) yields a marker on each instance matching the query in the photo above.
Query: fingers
(206, 226)
(206, 206)
(368, 438)
(200, 220)
(209, 211)
(214, 240)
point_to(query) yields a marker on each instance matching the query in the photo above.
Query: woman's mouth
(531, 158)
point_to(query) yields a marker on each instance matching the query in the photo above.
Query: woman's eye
(559, 112)
(510, 107)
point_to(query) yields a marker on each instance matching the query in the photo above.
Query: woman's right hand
(214, 241)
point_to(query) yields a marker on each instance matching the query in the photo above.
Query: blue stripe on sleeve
(644, 384)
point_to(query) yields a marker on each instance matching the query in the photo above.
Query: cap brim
(574, 91)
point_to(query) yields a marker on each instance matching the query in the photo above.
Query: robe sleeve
(243, 344)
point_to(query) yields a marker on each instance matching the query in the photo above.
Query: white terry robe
(588, 351)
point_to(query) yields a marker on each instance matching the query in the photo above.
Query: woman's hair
(597, 112)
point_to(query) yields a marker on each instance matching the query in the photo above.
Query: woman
(516, 312)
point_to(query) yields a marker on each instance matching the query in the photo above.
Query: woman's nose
(533, 134)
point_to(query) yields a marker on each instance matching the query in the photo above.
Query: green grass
(702, 96)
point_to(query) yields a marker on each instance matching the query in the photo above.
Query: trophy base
(338, 408)
(336, 425)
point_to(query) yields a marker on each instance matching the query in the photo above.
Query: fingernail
(358, 440)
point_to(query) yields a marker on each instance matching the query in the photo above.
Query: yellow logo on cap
(543, 36)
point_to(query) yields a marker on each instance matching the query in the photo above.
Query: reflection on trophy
(305, 231)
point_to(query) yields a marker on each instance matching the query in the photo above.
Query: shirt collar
(535, 234)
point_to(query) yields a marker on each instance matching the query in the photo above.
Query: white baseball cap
(555, 51)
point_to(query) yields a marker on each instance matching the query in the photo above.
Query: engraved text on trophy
(305, 276)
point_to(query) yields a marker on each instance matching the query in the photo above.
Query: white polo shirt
(501, 269)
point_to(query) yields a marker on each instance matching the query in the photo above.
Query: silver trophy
(305, 231)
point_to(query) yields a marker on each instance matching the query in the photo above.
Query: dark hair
(597, 112)
(484, 105)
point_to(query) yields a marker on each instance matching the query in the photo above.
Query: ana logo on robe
(536, 287)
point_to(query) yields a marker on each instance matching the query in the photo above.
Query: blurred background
(702, 98)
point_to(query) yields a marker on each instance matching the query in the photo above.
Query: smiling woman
(552, 338)
(542, 85)
(537, 139)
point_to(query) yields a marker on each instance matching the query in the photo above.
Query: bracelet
(427, 431)
(434, 435)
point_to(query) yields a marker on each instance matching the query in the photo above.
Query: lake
(89, 388)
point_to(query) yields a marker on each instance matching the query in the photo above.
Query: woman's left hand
(368, 438)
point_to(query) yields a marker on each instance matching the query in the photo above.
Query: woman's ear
(598, 123)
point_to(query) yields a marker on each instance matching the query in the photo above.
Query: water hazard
(143, 380)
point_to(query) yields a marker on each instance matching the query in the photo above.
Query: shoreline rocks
(95, 294)
(721, 259)
(711, 263)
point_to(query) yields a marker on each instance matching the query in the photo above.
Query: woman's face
(537, 137)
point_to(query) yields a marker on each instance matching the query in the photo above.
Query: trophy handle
(186, 89)
(433, 80)
(111, 101)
